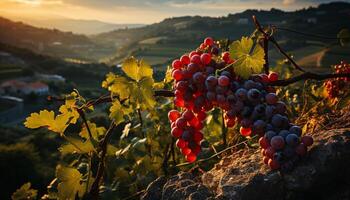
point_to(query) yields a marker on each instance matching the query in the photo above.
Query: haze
(135, 11)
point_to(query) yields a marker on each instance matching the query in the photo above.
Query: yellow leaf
(121, 86)
(136, 70)
(76, 146)
(96, 132)
(47, 119)
(69, 183)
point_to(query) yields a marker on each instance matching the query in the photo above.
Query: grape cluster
(335, 87)
(202, 82)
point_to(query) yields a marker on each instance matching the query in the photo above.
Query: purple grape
(288, 151)
(269, 127)
(186, 135)
(247, 111)
(231, 99)
(198, 77)
(292, 140)
(211, 81)
(295, 130)
(221, 89)
(249, 84)
(270, 111)
(253, 94)
(277, 142)
(278, 156)
(269, 135)
(284, 133)
(281, 107)
(277, 120)
(211, 96)
(271, 98)
(241, 94)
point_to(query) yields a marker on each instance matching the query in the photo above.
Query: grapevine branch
(94, 192)
(272, 39)
(306, 76)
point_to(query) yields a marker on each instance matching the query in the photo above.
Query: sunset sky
(138, 11)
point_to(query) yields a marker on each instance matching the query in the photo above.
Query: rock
(315, 176)
(323, 174)
(154, 190)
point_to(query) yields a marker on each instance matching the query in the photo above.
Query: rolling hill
(159, 43)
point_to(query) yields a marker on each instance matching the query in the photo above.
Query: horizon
(133, 12)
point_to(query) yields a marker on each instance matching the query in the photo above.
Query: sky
(139, 11)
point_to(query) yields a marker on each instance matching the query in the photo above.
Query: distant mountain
(88, 27)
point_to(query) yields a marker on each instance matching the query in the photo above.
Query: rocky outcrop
(323, 174)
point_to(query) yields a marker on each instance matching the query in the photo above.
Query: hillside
(19, 62)
(162, 41)
(50, 41)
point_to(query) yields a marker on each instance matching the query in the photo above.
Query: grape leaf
(344, 37)
(25, 192)
(249, 59)
(117, 112)
(47, 119)
(136, 70)
(76, 146)
(122, 87)
(69, 182)
(69, 109)
(96, 132)
(145, 96)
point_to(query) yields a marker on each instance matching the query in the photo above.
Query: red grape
(245, 131)
(177, 74)
(273, 164)
(273, 76)
(191, 157)
(177, 64)
(176, 132)
(185, 60)
(185, 151)
(307, 140)
(209, 41)
(196, 59)
(173, 115)
(180, 143)
(205, 58)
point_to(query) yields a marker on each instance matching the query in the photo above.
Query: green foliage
(344, 37)
(25, 192)
(249, 59)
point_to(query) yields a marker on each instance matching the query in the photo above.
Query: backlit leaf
(69, 183)
(249, 59)
(136, 70)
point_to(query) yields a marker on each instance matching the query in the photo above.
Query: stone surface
(323, 174)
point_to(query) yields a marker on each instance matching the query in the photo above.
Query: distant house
(16, 87)
(51, 78)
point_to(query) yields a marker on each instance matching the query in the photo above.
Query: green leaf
(25, 193)
(344, 37)
(136, 70)
(249, 59)
(69, 183)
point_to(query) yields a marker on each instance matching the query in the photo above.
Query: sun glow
(29, 2)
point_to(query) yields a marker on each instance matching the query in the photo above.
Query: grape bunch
(202, 82)
(335, 87)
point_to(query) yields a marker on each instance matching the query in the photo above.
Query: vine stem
(94, 191)
(216, 154)
(272, 39)
(306, 76)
